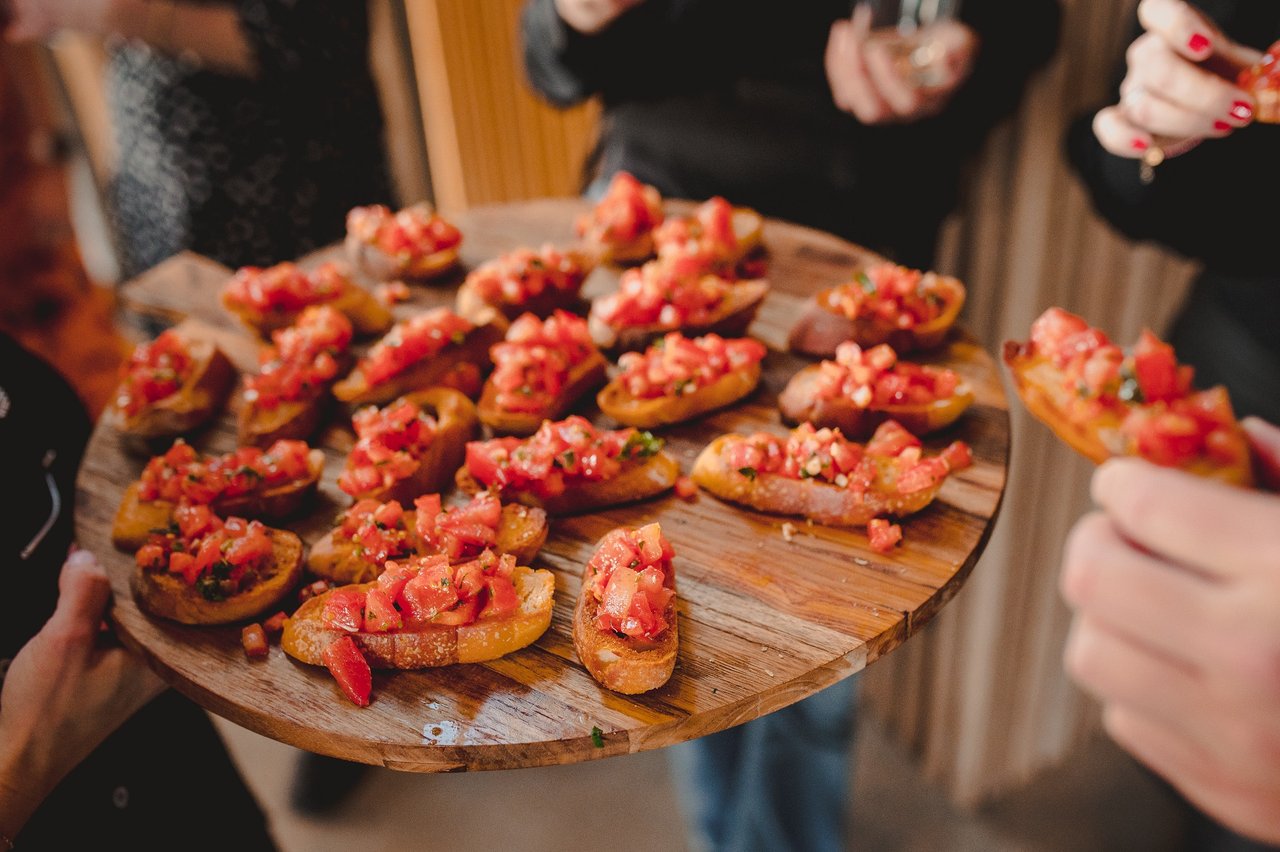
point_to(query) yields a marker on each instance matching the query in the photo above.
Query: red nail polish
(1198, 43)
(1139, 144)
(1221, 125)
(1241, 110)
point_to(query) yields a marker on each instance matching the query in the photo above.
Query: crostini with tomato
(412, 244)
(409, 447)
(289, 395)
(570, 466)
(1104, 400)
(421, 612)
(679, 378)
(372, 532)
(266, 299)
(202, 569)
(860, 389)
(1262, 80)
(716, 235)
(422, 351)
(170, 386)
(619, 227)
(271, 484)
(539, 371)
(821, 475)
(625, 628)
(908, 309)
(525, 281)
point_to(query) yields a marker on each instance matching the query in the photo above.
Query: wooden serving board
(766, 619)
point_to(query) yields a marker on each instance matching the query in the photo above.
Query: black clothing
(248, 170)
(1212, 204)
(164, 779)
(730, 97)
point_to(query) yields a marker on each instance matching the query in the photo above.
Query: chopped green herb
(597, 736)
(864, 281)
(210, 588)
(748, 472)
(641, 445)
(1130, 390)
(458, 337)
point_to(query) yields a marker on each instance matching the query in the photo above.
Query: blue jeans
(780, 782)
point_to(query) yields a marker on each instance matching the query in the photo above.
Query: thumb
(83, 594)
(1265, 438)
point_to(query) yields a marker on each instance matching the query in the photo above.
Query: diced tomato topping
(558, 454)
(429, 593)
(377, 529)
(706, 236)
(461, 533)
(254, 641)
(380, 613)
(412, 341)
(303, 361)
(275, 624)
(686, 488)
(344, 610)
(672, 292)
(889, 294)
(627, 211)
(183, 476)
(407, 234)
(503, 600)
(630, 577)
(286, 287)
(155, 370)
(217, 557)
(317, 587)
(875, 378)
(883, 535)
(392, 292)
(390, 444)
(523, 274)
(534, 363)
(350, 669)
(677, 365)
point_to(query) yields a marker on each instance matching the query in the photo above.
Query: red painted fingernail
(1241, 110)
(1139, 144)
(1221, 125)
(1198, 43)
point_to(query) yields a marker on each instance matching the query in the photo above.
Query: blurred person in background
(1174, 580)
(786, 108)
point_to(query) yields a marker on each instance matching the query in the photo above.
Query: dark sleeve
(309, 40)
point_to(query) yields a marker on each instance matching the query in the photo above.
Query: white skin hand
(866, 82)
(64, 693)
(591, 16)
(1175, 587)
(1169, 96)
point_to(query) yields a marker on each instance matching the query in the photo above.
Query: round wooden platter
(771, 609)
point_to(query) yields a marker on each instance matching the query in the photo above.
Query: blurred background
(972, 735)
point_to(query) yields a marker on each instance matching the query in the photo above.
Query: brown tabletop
(764, 621)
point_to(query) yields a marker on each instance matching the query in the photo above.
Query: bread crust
(305, 636)
(797, 405)
(367, 315)
(583, 378)
(819, 330)
(651, 477)
(200, 399)
(732, 320)
(168, 596)
(615, 401)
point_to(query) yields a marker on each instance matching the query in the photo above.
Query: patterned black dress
(248, 170)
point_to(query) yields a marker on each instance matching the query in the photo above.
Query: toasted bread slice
(637, 481)
(377, 264)
(356, 390)
(297, 420)
(732, 319)
(137, 518)
(797, 405)
(522, 530)
(200, 399)
(649, 413)
(822, 327)
(583, 378)
(368, 315)
(305, 636)
(168, 596)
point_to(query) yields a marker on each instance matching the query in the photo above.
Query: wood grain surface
(764, 621)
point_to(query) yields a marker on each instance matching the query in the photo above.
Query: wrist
(21, 792)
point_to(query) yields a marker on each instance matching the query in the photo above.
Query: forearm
(22, 786)
(211, 33)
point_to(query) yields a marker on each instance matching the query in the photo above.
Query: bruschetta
(422, 613)
(619, 228)
(289, 395)
(408, 447)
(415, 244)
(370, 533)
(570, 466)
(419, 352)
(540, 370)
(678, 378)
(885, 303)
(170, 386)
(861, 389)
(1262, 80)
(1104, 400)
(527, 281)
(820, 475)
(673, 294)
(272, 484)
(716, 234)
(202, 569)
(271, 298)
(625, 628)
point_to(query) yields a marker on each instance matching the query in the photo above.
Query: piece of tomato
(427, 594)
(502, 598)
(254, 641)
(344, 611)
(350, 669)
(380, 613)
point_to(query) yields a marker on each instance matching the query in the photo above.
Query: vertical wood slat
(489, 137)
(398, 94)
(981, 696)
